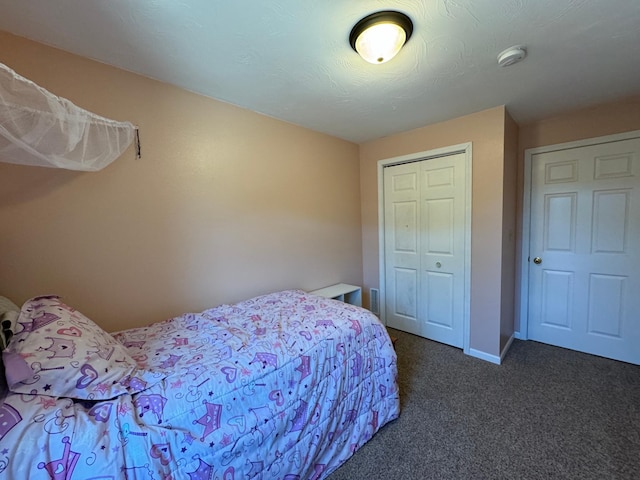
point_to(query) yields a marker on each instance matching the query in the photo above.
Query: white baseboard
(518, 336)
(492, 358)
(484, 356)
(506, 347)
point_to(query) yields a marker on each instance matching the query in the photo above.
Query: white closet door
(584, 286)
(425, 247)
(402, 256)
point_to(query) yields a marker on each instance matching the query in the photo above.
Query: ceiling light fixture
(380, 36)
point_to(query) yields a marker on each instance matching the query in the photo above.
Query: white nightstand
(344, 292)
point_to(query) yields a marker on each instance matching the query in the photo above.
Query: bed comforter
(286, 386)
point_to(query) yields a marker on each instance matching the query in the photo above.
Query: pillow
(7, 305)
(8, 314)
(57, 351)
(7, 325)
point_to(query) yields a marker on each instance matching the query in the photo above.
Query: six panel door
(584, 294)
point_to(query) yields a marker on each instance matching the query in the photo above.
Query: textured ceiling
(291, 59)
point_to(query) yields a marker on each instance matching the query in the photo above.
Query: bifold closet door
(424, 218)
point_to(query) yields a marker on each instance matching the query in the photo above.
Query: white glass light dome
(380, 36)
(381, 42)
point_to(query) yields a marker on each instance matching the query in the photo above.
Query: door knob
(537, 260)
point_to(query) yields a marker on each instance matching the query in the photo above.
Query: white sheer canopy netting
(38, 128)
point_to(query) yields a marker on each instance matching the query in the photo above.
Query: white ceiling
(291, 59)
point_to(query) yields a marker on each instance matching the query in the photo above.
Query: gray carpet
(546, 412)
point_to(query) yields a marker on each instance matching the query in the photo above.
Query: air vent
(374, 300)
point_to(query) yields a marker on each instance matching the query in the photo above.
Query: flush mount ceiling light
(380, 36)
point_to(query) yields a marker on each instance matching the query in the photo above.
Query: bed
(285, 386)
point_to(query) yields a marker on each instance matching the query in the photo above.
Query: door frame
(523, 333)
(466, 149)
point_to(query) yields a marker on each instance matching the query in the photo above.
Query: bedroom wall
(605, 119)
(509, 215)
(225, 203)
(486, 130)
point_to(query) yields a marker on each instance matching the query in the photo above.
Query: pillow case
(7, 325)
(7, 305)
(8, 315)
(57, 351)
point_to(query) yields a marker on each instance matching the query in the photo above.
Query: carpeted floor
(545, 413)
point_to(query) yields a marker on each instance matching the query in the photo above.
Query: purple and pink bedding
(286, 386)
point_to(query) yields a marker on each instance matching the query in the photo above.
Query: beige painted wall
(600, 120)
(486, 131)
(509, 215)
(225, 203)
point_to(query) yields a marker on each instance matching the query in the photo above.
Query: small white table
(344, 292)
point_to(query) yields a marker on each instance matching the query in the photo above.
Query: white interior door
(584, 294)
(424, 237)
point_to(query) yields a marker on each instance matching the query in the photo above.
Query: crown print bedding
(286, 386)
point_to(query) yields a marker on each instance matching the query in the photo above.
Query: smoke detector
(512, 55)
